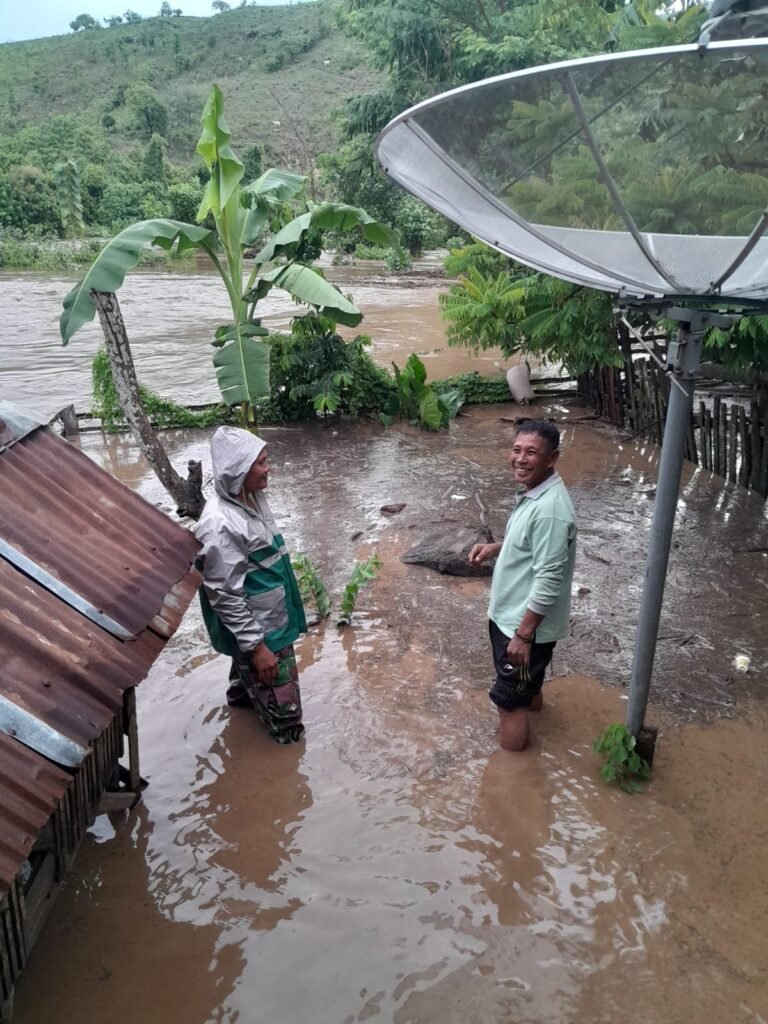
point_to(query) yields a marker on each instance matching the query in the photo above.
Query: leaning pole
(683, 361)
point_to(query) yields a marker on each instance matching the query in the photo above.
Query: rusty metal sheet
(59, 666)
(63, 675)
(30, 788)
(89, 531)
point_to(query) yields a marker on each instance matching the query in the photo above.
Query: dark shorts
(278, 704)
(516, 686)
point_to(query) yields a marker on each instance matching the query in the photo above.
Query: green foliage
(484, 311)
(520, 311)
(28, 201)
(419, 403)
(398, 259)
(162, 411)
(362, 574)
(240, 215)
(313, 371)
(67, 178)
(311, 587)
(150, 113)
(371, 252)
(475, 389)
(184, 199)
(153, 160)
(622, 762)
(83, 21)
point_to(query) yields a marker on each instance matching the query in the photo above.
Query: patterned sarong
(278, 704)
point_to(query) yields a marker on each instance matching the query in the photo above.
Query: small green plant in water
(362, 574)
(417, 402)
(622, 762)
(311, 587)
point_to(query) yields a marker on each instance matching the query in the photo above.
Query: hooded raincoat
(249, 591)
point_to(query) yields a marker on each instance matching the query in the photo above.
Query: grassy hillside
(274, 64)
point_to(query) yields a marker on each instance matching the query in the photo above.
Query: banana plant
(241, 214)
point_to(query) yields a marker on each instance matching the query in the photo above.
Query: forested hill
(283, 70)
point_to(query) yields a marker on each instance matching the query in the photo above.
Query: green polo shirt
(535, 565)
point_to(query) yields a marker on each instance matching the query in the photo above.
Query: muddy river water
(397, 866)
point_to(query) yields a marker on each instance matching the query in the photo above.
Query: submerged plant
(417, 402)
(311, 587)
(362, 574)
(622, 762)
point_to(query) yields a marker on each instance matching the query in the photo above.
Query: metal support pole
(683, 361)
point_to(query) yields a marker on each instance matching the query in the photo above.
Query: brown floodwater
(396, 865)
(171, 319)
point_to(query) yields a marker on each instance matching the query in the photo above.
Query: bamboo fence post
(754, 417)
(733, 430)
(744, 448)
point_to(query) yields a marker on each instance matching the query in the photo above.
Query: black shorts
(516, 686)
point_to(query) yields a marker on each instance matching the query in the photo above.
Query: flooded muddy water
(395, 865)
(171, 319)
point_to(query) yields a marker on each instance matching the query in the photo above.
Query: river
(171, 318)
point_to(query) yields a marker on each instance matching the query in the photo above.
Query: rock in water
(447, 551)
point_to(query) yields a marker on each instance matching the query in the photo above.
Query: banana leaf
(306, 285)
(107, 272)
(213, 146)
(326, 217)
(242, 370)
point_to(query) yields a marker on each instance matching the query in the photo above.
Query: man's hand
(482, 552)
(518, 652)
(264, 663)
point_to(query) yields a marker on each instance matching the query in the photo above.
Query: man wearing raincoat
(250, 599)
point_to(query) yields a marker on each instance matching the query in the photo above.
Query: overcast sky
(32, 19)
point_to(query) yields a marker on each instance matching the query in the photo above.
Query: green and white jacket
(249, 591)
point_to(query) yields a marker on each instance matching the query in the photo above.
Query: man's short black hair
(544, 429)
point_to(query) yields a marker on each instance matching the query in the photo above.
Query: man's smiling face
(531, 460)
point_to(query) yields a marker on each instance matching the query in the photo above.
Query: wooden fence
(726, 437)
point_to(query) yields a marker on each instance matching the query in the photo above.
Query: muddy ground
(396, 865)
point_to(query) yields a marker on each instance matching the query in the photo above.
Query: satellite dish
(639, 173)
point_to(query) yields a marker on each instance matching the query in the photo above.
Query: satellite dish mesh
(643, 173)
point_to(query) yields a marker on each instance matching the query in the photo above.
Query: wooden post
(745, 450)
(724, 439)
(733, 431)
(68, 418)
(762, 480)
(716, 462)
(702, 435)
(132, 730)
(754, 418)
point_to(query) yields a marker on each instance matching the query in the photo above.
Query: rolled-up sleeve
(550, 539)
(226, 565)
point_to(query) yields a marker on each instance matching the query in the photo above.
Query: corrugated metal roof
(90, 531)
(31, 787)
(63, 675)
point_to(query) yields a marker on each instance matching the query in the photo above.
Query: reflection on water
(396, 865)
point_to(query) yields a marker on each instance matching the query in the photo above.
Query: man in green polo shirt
(530, 601)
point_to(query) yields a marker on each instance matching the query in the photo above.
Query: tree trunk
(188, 494)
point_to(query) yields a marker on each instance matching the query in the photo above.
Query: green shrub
(477, 390)
(314, 371)
(398, 259)
(162, 411)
